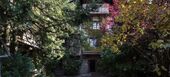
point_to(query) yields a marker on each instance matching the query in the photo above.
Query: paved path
(87, 75)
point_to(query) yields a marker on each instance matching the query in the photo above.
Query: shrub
(71, 66)
(125, 64)
(52, 66)
(17, 66)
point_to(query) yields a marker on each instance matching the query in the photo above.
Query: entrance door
(92, 65)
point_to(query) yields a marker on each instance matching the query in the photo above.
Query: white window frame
(96, 25)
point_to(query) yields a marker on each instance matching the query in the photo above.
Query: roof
(91, 53)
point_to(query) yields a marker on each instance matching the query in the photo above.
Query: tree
(50, 21)
(144, 26)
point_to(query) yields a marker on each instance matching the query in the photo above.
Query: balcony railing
(101, 8)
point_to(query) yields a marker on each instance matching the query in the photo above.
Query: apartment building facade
(100, 21)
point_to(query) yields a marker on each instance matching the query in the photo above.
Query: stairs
(84, 71)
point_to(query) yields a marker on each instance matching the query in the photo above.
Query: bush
(52, 66)
(71, 66)
(124, 64)
(17, 66)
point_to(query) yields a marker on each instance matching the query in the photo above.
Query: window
(92, 42)
(80, 26)
(96, 25)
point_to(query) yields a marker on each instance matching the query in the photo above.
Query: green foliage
(51, 66)
(18, 66)
(71, 66)
(142, 41)
(148, 57)
(52, 21)
(55, 26)
(124, 64)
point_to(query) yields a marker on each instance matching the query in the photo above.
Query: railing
(29, 39)
(102, 8)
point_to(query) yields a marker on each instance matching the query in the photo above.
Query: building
(101, 20)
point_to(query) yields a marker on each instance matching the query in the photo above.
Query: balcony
(28, 39)
(101, 8)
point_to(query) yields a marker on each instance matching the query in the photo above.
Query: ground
(88, 75)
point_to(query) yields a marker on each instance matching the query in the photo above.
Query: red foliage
(113, 8)
(113, 11)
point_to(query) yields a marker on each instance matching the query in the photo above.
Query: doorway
(92, 65)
